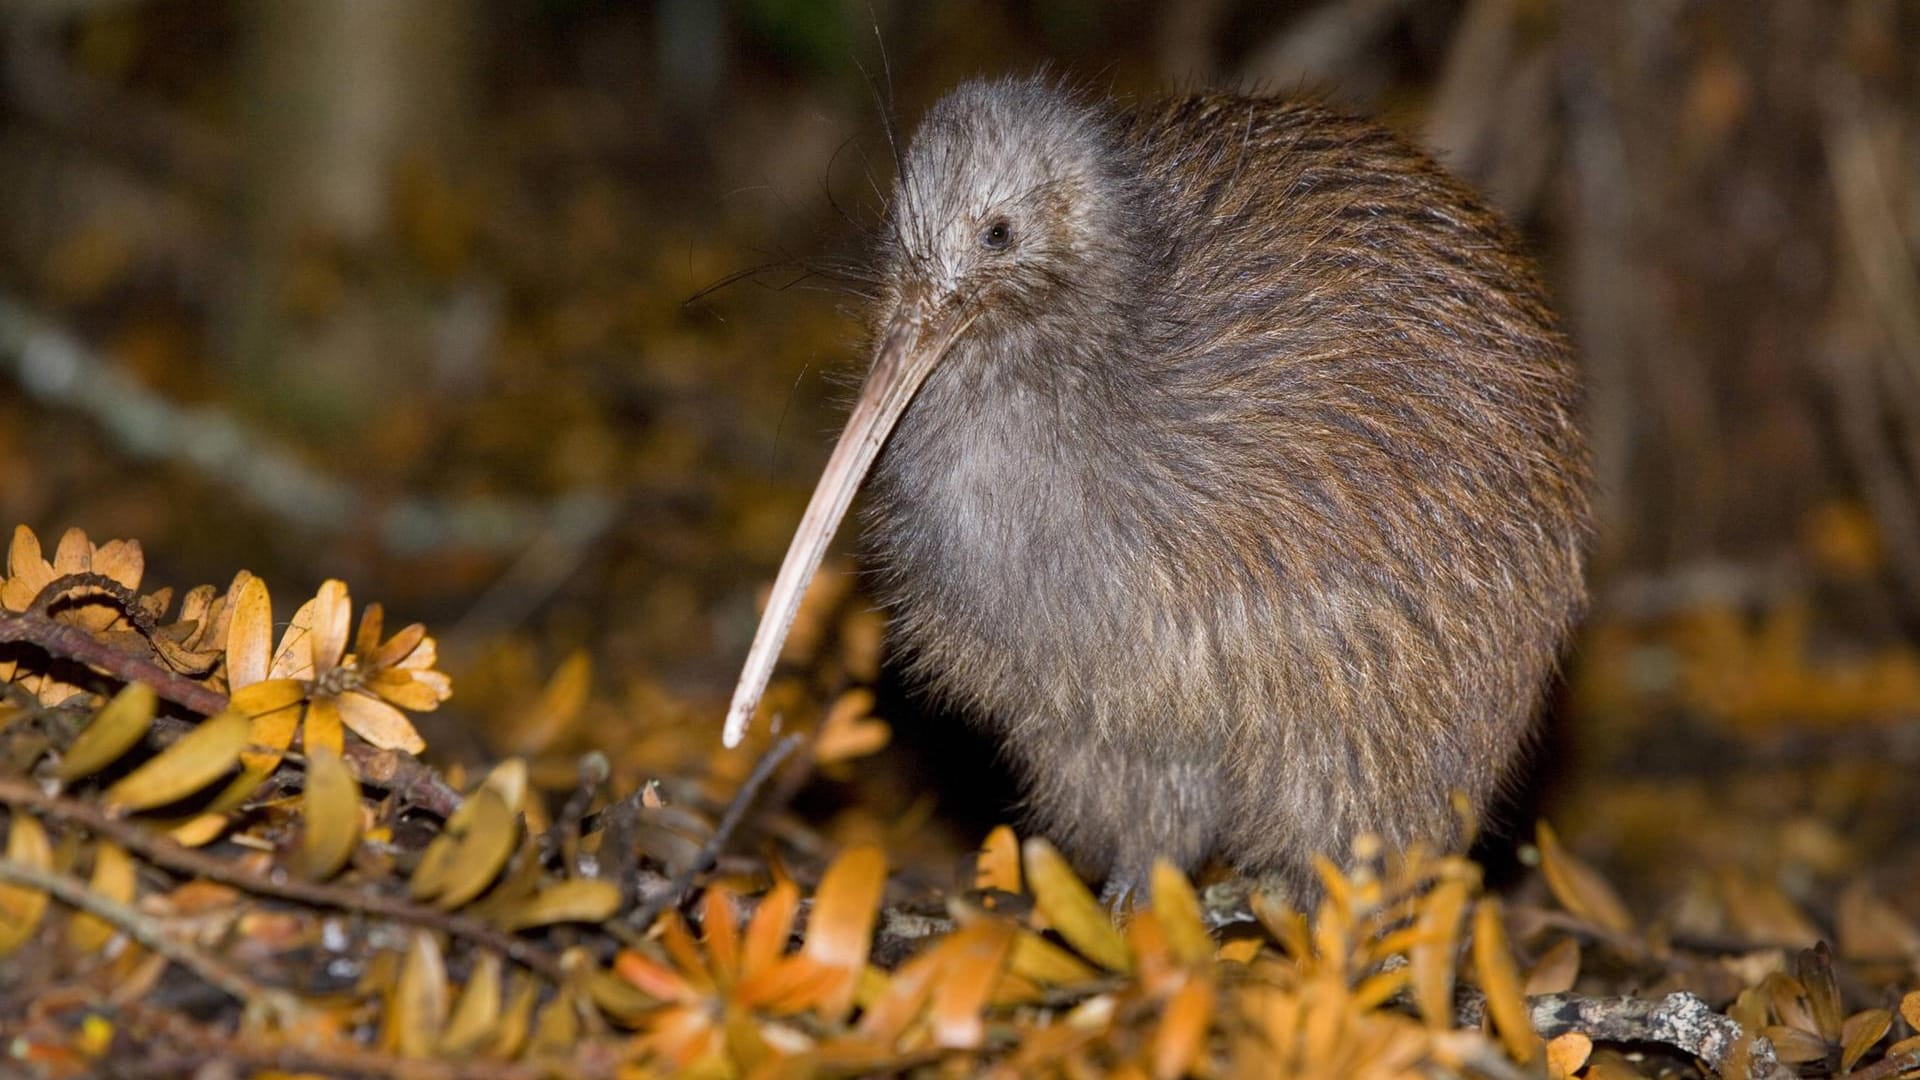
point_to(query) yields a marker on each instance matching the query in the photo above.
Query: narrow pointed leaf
(114, 730)
(113, 878)
(200, 757)
(573, 900)
(1178, 907)
(249, 633)
(1500, 981)
(21, 907)
(1071, 909)
(331, 827)
(840, 931)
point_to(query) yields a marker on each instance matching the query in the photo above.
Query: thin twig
(166, 852)
(729, 821)
(149, 932)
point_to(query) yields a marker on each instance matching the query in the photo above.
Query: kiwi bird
(1228, 470)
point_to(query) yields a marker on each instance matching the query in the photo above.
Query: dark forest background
(422, 294)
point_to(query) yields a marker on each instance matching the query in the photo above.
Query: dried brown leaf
(1859, 1033)
(1579, 888)
(1556, 970)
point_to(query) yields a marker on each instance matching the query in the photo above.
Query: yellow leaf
(332, 810)
(274, 708)
(572, 900)
(998, 864)
(1579, 888)
(1433, 955)
(249, 633)
(1036, 958)
(1178, 907)
(112, 732)
(1182, 1034)
(510, 1038)
(1500, 981)
(324, 729)
(477, 1010)
(332, 621)
(474, 852)
(113, 878)
(972, 959)
(199, 758)
(1071, 909)
(419, 1010)
(840, 931)
(1859, 1034)
(22, 907)
(1910, 1009)
(379, 723)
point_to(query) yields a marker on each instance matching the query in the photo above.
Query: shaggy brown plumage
(1244, 497)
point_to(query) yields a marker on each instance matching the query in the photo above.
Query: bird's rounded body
(1257, 522)
(1234, 478)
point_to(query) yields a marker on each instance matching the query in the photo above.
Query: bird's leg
(1126, 805)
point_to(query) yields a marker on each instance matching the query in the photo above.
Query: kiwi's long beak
(916, 337)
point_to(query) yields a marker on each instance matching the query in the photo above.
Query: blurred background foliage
(422, 294)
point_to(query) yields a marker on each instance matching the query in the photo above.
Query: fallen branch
(1681, 1020)
(165, 852)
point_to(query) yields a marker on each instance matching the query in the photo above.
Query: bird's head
(1016, 219)
(1014, 203)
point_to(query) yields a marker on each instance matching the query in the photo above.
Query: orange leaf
(840, 931)
(720, 929)
(1178, 907)
(769, 929)
(972, 959)
(998, 864)
(656, 979)
(906, 993)
(1567, 1054)
(1500, 981)
(1182, 1034)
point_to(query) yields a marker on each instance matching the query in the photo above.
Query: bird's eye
(997, 236)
